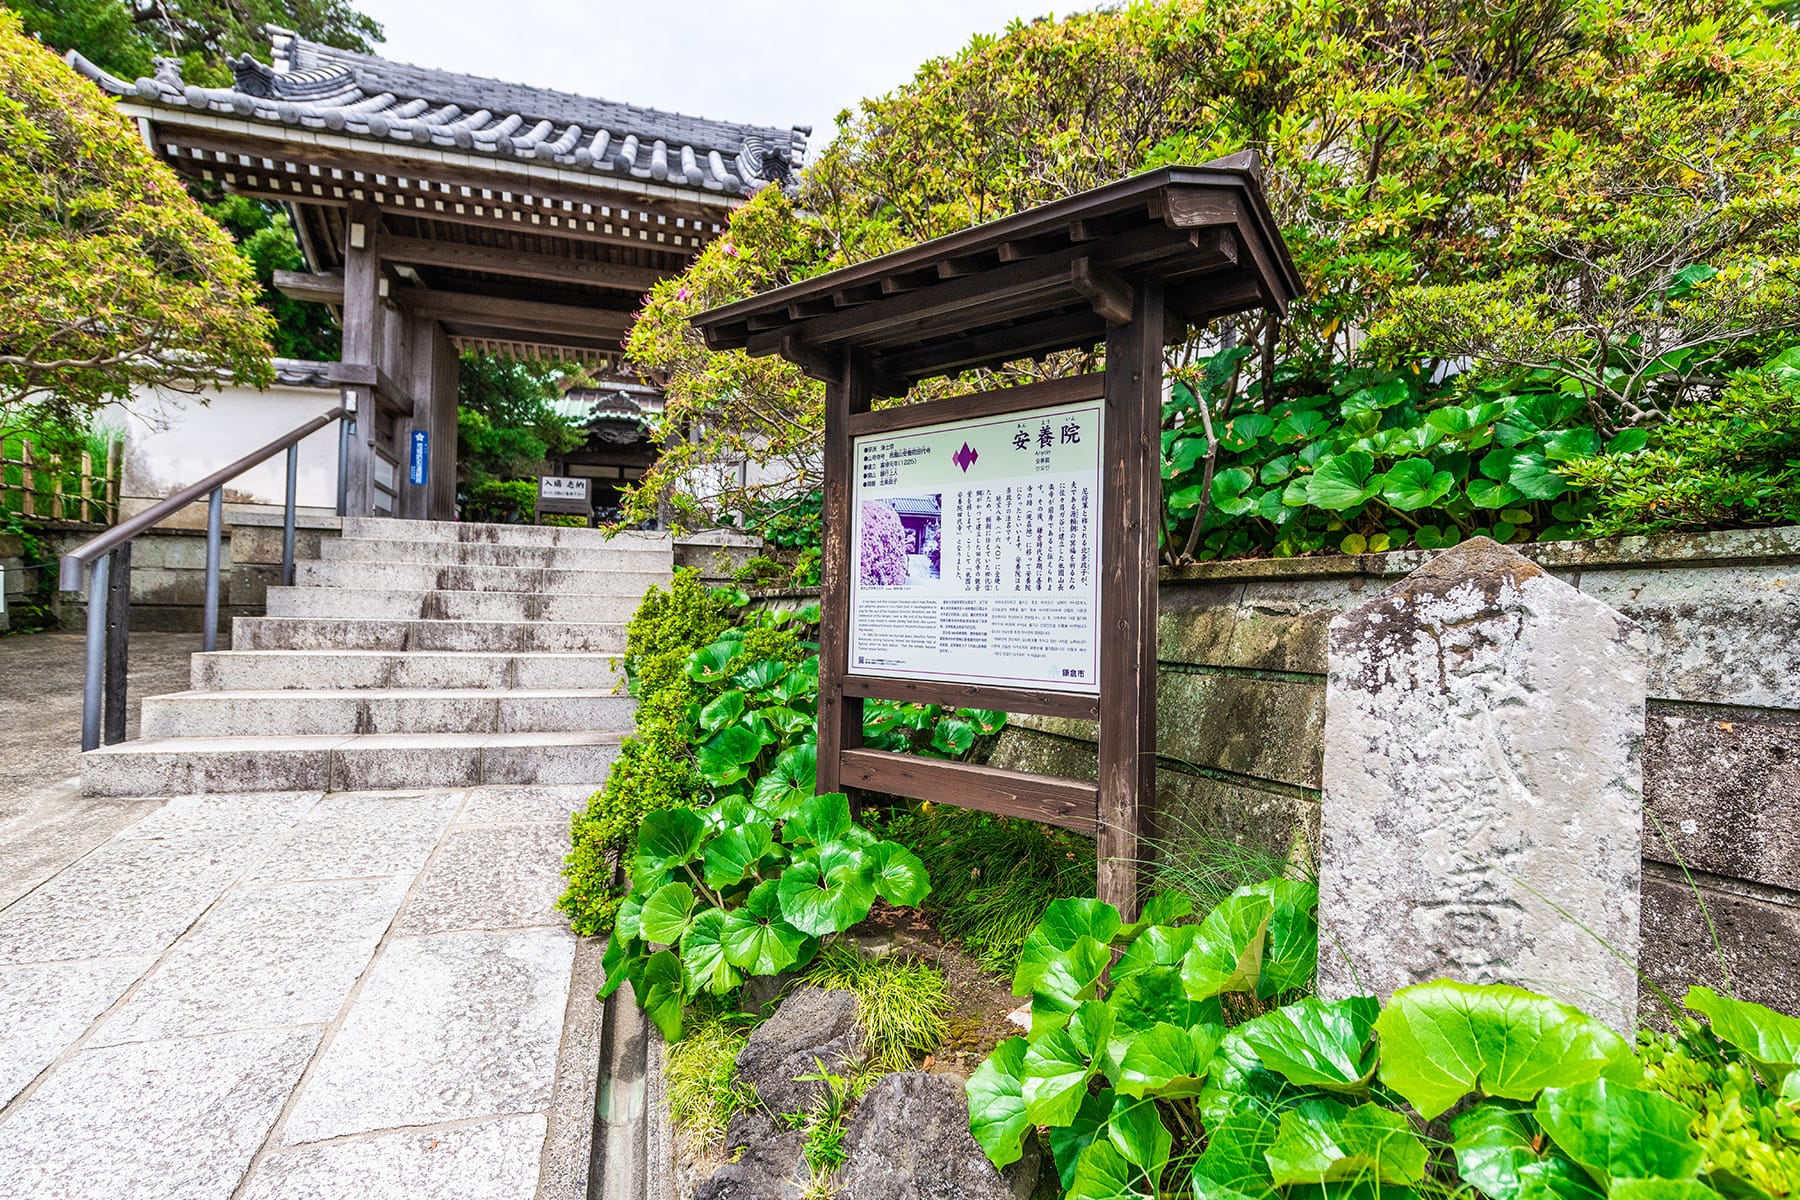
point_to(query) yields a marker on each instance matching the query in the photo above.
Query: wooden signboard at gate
(998, 549)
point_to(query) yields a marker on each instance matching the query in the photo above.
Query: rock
(772, 1167)
(909, 1140)
(1484, 727)
(813, 1027)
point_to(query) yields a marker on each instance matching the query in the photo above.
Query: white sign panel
(977, 551)
(559, 487)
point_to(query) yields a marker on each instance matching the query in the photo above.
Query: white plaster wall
(172, 440)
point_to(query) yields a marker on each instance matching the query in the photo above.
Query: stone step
(447, 605)
(386, 710)
(324, 633)
(249, 670)
(583, 558)
(364, 762)
(429, 577)
(395, 529)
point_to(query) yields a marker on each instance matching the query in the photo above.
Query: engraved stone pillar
(1484, 726)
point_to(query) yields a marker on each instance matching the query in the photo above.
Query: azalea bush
(746, 888)
(1180, 1055)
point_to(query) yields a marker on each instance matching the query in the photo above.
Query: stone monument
(1483, 814)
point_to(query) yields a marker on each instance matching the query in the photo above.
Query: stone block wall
(16, 582)
(1240, 716)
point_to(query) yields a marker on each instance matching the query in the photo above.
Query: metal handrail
(103, 684)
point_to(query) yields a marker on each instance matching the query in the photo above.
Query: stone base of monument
(1482, 808)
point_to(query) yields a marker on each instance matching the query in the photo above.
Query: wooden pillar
(840, 716)
(1131, 476)
(362, 318)
(431, 375)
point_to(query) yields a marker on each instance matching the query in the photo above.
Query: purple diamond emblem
(965, 458)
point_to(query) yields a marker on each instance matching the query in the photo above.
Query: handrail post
(287, 527)
(93, 684)
(343, 504)
(210, 621)
(118, 635)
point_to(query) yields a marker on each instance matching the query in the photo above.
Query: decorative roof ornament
(313, 86)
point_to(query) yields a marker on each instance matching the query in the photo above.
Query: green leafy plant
(823, 1148)
(745, 888)
(901, 1003)
(1180, 1070)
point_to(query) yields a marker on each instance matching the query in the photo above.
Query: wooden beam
(994, 346)
(423, 252)
(499, 312)
(1070, 803)
(840, 715)
(817, 364)
(1129, 463)
(997, 402)
(322, 287)
(1110, 296)
(970, 695)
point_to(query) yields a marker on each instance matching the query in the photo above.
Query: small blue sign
(420, 462)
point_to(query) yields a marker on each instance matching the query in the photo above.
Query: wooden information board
(998, 549)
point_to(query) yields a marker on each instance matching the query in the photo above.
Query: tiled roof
(320, 87)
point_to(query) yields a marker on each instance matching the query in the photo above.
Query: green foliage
(114, 276)
(745, 889)
(1602, 191)
(901, 1003)
(823, 1148)
(701, 1072)
(1170, 1074)
(1729, 459)
(506, 427)
(266, 240)
(993, 877)
(122, 37)
(500, 501)
(654, 766)
(1363, 460)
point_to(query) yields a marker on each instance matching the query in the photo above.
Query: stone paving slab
(170, 1120)
(490, 877)
(263, 958)
(222, 1002)
(45, 1007)
(447, 1027)
(492, 1160)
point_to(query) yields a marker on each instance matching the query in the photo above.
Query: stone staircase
(411, 654)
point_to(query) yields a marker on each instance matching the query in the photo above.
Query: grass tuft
(992, 877)
(1205, 864)
(902, 1004)
(701, 1072)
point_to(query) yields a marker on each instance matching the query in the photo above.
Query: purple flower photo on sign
(900, 541)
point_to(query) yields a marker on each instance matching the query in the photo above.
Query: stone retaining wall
(1240, 716)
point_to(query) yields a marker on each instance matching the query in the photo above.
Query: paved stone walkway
(354, 996)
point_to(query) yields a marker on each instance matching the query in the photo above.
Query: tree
(115, 277)
(122, 37)
(1458, 182)
(506, 427)
(265, 238)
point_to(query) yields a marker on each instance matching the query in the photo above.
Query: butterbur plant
(1181, 1072)
(745, 889)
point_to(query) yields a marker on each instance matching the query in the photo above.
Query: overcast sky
(792, 62)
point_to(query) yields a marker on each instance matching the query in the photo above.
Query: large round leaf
(1535, 478)
(1102, 1173)
(1064, 923)
(818, 820)
(1620, 1132)
(1227, 953)
(723, 710)
(997, 1103)
(1413, 483)
(1234, 1164)
(1059, 1064)
(731, 856)
(759, 676)
(725, 757)
(1228, 491)
(667, 913)
(1343, 482)
(1137, 1132)
(952, 736)
(757, 938)
(791, 779)
(899, 876)
(1157, 946)
(703, 955)
(1291, 958)
(1069, 1139)
(1768, 1037)
(1322, 1141)
(667, 838)
(712, 664)
(1066, 981)
(821, 900)
(663, 993)
(1498, 1150)
(1442, 1041)
(1169, 1060)
(1318, 1043)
